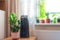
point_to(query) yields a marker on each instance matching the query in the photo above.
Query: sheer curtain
(28, 7)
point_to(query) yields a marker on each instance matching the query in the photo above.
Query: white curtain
(28, 7)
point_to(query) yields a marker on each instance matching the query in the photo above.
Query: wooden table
(30, 38)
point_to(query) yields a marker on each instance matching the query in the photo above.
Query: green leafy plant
(15, 23)
(54, 15)
(47, 14)
(42, 10)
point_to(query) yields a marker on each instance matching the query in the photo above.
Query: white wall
(2, 24)
(47, 34)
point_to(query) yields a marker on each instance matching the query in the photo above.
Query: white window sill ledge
(47, 24)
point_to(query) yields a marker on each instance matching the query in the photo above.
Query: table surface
(30, 38)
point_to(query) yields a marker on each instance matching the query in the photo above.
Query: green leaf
(53, 15)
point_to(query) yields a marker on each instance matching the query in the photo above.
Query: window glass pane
(52, 6)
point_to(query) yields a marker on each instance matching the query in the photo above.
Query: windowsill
(47, 24)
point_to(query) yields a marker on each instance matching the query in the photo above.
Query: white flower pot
(15, 35)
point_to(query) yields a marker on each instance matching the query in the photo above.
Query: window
(48, 6)
(31, 8)
(52, 6)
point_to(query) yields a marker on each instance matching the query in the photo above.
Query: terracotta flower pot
(47, 20)
(14, 35)
(42, 21)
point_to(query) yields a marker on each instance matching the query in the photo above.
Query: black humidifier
(24, 32)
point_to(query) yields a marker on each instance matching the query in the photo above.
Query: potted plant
(37, 20)
(15, 26)
(58, 20)
(47, 20)
(54, 20)
(42, 11)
